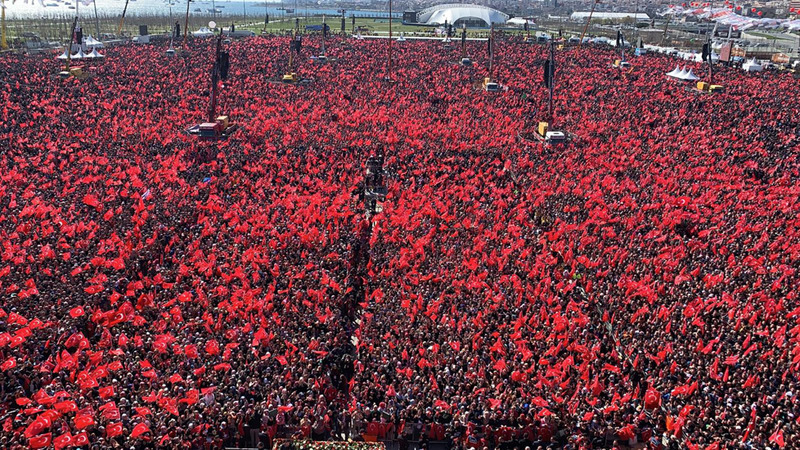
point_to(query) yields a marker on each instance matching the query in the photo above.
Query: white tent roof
(79, 55)
(451, 13)
(674, 72)
(690, 76)
(752, 66)
(203, 32)
(92, 42)
(63, 55)
(95, 54)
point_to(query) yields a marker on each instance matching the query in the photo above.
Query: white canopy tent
(63, 55)
(682, 74)
(752, 66)
(95, 54)
(79, 55)
(690, 76)
(91, 42)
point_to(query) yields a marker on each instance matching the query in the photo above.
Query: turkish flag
(76, 312)
(79, 440)
(83, 421)
(115, 429)
(652, 399)
(139, 430)
(41, 441)
(143, 411)
(777, 437)
(63, 441)
(91, 200)
(65, 406)
(106, 392)
(9, 364)
(212, 347)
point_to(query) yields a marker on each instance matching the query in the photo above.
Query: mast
(323, 35)
(588, 21)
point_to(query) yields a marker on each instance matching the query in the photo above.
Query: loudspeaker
(142, 30)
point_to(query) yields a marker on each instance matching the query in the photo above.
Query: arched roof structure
(453, 13)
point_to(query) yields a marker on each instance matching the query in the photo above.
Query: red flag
(652, 399)
(41, 441)
(9, 364)
(777, 437)
(91, 200)
(114, 429)
(76, 312)
(139, 430)
(63, 441)
(83, 421)
(79, 440)
(106, 392)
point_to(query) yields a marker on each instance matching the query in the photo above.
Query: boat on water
(197, 10)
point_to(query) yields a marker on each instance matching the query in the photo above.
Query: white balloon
(212, 24)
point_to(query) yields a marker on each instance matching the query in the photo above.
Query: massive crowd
(636, 287)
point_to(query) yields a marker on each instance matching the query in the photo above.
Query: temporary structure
(674, 72)
(79, 55)
(690, 76)
(752, 66)
(95, 54)
(91, 42)
(63, 55)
